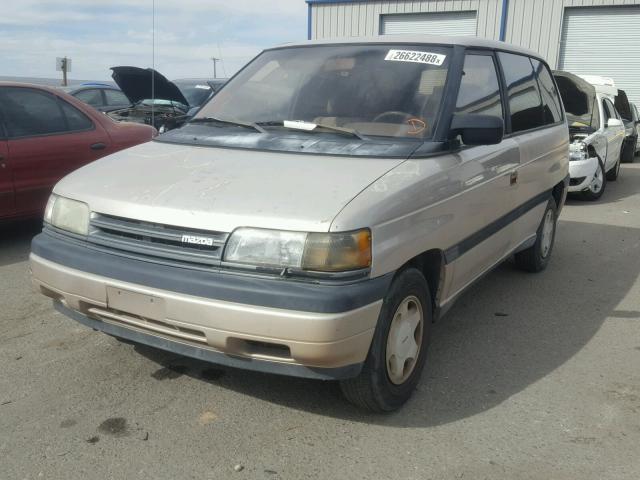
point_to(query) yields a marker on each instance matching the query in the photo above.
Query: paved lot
(529, 377)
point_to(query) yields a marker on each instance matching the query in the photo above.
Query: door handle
(98, 146)
(513, 178)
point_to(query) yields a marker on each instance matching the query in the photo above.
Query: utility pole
(64, 72)
(215, 61)
(63, 64)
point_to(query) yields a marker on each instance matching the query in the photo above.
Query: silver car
(320, 212)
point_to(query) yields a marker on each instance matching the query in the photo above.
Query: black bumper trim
(216, 285)
(211, 356)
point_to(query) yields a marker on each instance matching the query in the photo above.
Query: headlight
(578, 151)
(67, 214)
(324, 252)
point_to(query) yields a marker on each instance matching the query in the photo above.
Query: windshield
(377, 90)
(196, 93)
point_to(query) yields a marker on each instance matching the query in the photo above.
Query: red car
(45, 134)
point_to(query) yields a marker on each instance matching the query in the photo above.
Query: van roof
(465, 41)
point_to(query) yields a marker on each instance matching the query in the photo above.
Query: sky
(98, 34)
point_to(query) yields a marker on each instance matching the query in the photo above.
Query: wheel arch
(431, 264)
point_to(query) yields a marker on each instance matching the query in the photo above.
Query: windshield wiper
(236, 123)
(311, 127)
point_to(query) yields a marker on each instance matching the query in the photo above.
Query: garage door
(603, 41)
(449, 23)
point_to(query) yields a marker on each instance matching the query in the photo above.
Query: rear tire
(628, 150)
(598, 185)
(387, 380)
(535, 258)
(612, 175)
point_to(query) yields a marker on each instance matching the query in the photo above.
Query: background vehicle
(101, 96)
(172, 103)
(631, 133)
(596, 130)
(397, 191)
(46, 134)
(636, 123)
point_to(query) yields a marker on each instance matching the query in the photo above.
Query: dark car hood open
(623, 106)
(135, 83)
(578, 97)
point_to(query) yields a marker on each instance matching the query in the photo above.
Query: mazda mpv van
(320, 212)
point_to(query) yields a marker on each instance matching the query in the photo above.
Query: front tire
(597, 185)
(399, 347)
(535, 258)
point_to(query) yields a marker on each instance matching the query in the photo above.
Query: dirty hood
(135, 83)
(221, 189)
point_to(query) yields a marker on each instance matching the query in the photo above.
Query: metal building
(586, 37)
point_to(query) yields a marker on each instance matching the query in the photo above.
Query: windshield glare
(377, 90)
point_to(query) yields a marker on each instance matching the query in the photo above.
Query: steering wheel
(393, 113)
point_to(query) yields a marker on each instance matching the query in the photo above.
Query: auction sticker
(415, 57)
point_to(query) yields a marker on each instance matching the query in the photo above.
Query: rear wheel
(596, 188)
(628, 150)
(612, 175)
(398, 350)
(535, 258)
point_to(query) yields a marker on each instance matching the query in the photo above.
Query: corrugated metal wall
(360, 19)
(535, 24)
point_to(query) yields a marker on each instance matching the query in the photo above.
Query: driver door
(485, 174)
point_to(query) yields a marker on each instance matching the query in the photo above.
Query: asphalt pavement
(529, 376)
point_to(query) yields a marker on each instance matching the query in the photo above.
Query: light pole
(215, 61)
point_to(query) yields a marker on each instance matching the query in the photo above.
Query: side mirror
(477, 129)
(614, 122)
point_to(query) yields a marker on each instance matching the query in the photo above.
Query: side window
(525, 102)
(551, 106)
(31, 112)
(114, 97)
(609, 110)
(479, 87)
(76, 120)
(91, 96)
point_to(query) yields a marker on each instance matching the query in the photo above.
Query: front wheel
(596, 188)
(399, 347)
(535, 258)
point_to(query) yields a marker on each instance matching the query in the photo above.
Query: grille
(156, 240)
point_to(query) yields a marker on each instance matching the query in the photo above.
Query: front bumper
(582, 171)
(307, 330)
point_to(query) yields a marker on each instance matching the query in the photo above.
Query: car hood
(135, 83)
(221, 189)
(578, 97)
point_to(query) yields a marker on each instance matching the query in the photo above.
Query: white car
(596, 129)
(636, 122)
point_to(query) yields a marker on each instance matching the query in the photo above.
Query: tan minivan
(320, 212)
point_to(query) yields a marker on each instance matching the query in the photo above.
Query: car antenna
(153, 62)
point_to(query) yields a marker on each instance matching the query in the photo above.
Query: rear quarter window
(76, 120)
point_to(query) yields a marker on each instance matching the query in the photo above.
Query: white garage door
(604, 41)
(449, 23)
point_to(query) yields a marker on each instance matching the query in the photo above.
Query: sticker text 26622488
(415, 57)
